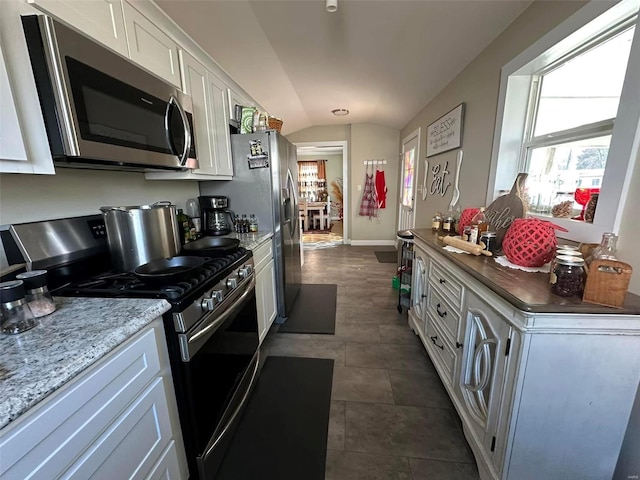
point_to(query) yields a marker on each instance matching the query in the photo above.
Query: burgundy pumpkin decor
(530, 242)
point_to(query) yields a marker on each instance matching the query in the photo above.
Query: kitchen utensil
(138, 234)
(466, 246)
(456, 190)
(505, 209)
(168, 271)
(216, 218)
(211, 246)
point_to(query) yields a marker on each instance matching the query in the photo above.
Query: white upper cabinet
(211, 124)
(100, 19)
(11, 142)
(24, 147)
(150, 47)
(218, 108)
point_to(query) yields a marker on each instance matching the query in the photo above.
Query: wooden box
(607, 282)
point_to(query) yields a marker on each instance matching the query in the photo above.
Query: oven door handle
(191, 343)
(214, 442)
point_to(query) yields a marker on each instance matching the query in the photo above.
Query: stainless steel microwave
(102, 111)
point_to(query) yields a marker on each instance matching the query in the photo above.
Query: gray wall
(365, 142)
(68, 193)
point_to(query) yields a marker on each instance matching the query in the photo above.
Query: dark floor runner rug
(387, 256)
(283, 433)
(314, 310)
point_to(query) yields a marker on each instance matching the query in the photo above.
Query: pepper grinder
(15, 314)
(38, 296)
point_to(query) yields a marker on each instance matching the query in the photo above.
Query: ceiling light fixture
(332, 5)
(340, 112)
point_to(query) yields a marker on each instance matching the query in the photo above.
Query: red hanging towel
(381, 189)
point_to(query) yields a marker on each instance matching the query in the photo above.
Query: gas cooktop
(127, 285)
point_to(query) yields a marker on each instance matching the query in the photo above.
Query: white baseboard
(373, 243)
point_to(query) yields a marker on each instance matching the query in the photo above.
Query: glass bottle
(184, 227)
(244, 224)
(15, 314)
(37, 293)
(436, 222)
(253, 223)
(449, 223)
(607, 248)
(236, 224)
(479, 220)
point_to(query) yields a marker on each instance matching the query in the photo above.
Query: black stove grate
(127, 285)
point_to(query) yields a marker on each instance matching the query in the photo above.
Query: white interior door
(410, 155)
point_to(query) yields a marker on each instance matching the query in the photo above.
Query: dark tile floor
(391, 418)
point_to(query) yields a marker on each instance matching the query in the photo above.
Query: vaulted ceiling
(384, 60)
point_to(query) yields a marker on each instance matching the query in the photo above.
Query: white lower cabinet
(540, 395)
(118, 419)
(265, 287)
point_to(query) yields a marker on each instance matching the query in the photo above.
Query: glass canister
(490, 241)
(569, 273)
(38, 296)
(607, 250)
(562, 250)
(436, 222)
(15, 314)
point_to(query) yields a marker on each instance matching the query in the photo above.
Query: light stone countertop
(35, 363)
(251, 241)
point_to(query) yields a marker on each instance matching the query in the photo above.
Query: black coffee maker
(217, 219)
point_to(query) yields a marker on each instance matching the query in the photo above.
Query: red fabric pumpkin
(465, 218)
(530, 242)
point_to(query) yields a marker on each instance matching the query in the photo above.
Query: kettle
(216, 218)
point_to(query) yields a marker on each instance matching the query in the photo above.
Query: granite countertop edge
(251, 241)
(430, 238)
(36, 363)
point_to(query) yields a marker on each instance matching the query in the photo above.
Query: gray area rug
(314, 311)
(387, 256)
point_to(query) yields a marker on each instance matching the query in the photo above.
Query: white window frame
(518, 79)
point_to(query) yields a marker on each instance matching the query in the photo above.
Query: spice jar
(490, 241)
(436, 222)
(38, 296)
(466, 232)
(449, 223)
(15, 314)
(569, 273)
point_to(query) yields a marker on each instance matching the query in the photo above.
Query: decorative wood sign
(445, 133)
(505, 209)
(437, 184)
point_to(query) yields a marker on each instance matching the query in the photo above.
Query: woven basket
(275, 124)
(530, 242)
(465, 218)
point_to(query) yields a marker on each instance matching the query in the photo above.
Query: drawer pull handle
(458, 344)
(442, 314)
(442, 280)
(433, 339)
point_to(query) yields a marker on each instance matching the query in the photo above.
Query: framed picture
(445, 133)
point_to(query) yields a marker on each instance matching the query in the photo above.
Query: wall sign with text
(445, 133)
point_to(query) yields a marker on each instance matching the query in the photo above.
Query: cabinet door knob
(442, 280)
(442, 314)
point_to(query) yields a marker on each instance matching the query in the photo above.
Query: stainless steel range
(211, 329)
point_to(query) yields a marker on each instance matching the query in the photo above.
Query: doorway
(410, 155)
(323, 201)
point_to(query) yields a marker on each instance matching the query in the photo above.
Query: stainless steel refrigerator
(265, 173)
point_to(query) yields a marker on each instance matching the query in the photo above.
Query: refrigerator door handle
(294, 212)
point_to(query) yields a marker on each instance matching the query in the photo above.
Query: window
(570, 118)
(575, 99)
(407, 178)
